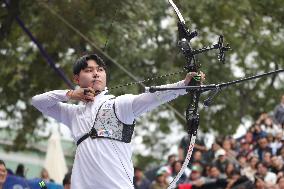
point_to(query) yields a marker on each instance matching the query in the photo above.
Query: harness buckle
(93, 133)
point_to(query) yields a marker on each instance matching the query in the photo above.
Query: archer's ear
(76, 79)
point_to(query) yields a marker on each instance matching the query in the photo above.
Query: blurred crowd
(253, 161)
(20, 173)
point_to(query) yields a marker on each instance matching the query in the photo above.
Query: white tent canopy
(55, 161)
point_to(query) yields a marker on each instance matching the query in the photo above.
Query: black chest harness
(107, 125)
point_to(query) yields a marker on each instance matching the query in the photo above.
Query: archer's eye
(88, 70)
(100, 69)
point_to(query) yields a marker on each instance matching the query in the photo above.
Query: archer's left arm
(130, 107)
(148, 101)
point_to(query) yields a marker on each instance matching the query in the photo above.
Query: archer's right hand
(82, 94)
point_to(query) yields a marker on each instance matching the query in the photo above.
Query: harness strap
(84, 137)
(87, 135)
(93, 134)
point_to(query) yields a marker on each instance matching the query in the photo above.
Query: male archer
(103, 125)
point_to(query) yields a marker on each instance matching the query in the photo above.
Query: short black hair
(20, 171)
(2, 162)
(67, 179)
(81, 63)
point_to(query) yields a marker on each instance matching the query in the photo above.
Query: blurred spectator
(184, 143)
(197, 157)
(270, 178)
(267, 158)
(20, 171)
(176, 167)
(151, 172)
(277, 166)
(3, 174)
(249, 138)
(259, 183)
(280, 182)
(279, 112)
(215, 173)
(45, 176)
(140, 181)
(258, 132)
(195, 178)
(67, 181)
(234, 144)
(221, 160)
(251, 169)
(237, 181)
(242, 161)
(245, 148)
(276, 143)
(209, 155)
(262, 147)
(215, 179)
(270, 138)
(229, 169)
(168, 172)
(261, 118)
(227, 146)
(171, 159)
(160, 181)
(269, 127)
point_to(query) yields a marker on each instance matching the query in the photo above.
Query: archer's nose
(95, 74)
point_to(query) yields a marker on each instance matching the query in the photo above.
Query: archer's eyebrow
(94, 67)
(91, 66)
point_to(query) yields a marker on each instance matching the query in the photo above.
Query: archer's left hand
(193, 75)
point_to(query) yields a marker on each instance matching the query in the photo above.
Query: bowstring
(113, 144)
(146, 80)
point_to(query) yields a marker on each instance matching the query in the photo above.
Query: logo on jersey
(104, 133)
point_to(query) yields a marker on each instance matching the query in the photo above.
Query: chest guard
(107, 125)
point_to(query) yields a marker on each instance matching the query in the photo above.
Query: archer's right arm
(52, 104)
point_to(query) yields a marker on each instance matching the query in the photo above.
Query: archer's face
(93, 76)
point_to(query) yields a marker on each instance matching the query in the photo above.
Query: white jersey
(101, 163)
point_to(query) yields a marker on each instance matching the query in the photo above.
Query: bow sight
(185, 35)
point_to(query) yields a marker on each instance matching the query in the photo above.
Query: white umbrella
(55, 161)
